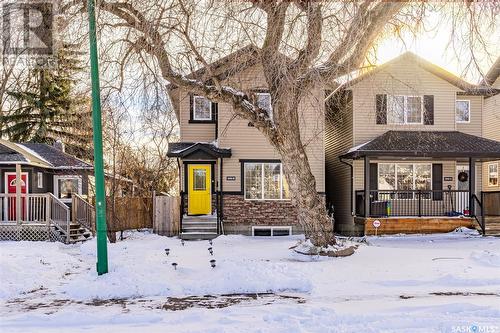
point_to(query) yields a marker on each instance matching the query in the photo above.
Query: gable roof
(226, 66)
(57, 158)
(466, 87)
(493, 73)
(185, 149)
(427, 144)
(39, 154)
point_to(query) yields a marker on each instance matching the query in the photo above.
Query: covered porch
(200, 183)
(419, 181)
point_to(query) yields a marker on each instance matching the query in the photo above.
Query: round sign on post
(376, 225)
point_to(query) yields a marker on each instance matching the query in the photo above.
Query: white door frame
(6, 190)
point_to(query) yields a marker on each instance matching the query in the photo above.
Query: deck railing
(59, 215)
(82, 212)
(414, 203)
(33, 208)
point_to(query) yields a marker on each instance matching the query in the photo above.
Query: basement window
(271, 231)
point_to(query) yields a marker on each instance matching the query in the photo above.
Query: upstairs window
(265, 181)
(493, 174)
(202, 108)
(404, 109)
(264, 102)
(462, 111)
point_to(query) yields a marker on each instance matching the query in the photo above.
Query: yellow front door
(199, 199)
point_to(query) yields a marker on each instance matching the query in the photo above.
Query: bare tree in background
(298, 43)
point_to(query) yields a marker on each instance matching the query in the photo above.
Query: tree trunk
(312, 214)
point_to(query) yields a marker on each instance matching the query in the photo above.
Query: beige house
(409, 144)
(231, 179)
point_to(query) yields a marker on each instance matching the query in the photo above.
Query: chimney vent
(59, 145)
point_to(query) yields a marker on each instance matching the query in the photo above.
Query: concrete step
(199, 218)
(199, 230)
(198, 235)
(199, 224)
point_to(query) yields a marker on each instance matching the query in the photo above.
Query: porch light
(167, 251)
(175, 265)
(212, 263)
(211, 251)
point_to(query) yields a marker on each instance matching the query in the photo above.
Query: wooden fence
(166, 220)
(491, 203)
(128, 213)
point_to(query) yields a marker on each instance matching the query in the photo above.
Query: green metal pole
(100, 194)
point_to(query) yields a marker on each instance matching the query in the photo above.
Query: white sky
(434, 46)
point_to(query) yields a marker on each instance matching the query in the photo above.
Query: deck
(45, 217)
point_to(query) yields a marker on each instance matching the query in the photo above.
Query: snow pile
(486, 258)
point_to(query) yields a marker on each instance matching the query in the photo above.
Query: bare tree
(298, 43)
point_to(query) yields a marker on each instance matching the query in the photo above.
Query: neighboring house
(406, 144)
(231, 178)
(491, 128)
(53, 187)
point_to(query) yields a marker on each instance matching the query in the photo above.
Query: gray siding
(338, 139)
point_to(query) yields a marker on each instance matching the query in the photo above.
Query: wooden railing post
(47, 213)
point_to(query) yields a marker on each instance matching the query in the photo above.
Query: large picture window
(493, 174)
(404, 109)
(202, 108)
(65, 186)
(404, 177)
(264, 181)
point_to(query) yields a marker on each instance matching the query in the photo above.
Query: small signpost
(376, 225)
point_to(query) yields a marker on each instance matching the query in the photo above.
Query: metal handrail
(481, 223)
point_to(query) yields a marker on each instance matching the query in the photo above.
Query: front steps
(492, 225)
(202, 227)
(77, 233)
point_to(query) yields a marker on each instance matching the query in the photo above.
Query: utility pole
(100, 193)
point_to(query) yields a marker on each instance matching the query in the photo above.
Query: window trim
(396, 178)
(405, 114)
(261, 162)
(39, 179)
(272, 228)
(203, 120)
(462, 121)
(497, 166)
(56, 185)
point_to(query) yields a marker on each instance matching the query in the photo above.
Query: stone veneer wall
(240, 214)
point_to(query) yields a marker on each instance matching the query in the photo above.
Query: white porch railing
(36, 209)
(59, 215)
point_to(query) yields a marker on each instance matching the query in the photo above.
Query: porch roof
(452, 144)
(185, 149)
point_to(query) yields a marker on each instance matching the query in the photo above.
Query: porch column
(18, 194)
(367, 186)
(472, 184)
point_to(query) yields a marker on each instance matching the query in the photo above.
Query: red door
(11, 189)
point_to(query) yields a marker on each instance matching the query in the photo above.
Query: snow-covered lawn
(434, 283)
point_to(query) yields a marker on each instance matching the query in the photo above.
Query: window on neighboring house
(65, 186)
(404, 177)
(404, 109)
(493, 174)
(39, 178)
(265, 181)
(202, 108)
(462, 111)
(264, 102)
